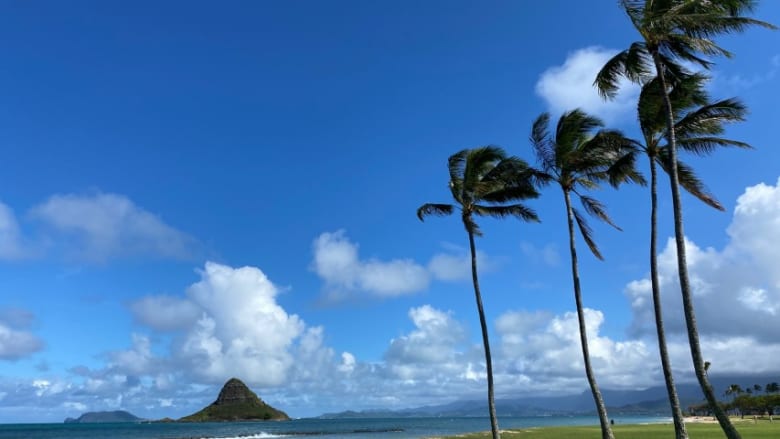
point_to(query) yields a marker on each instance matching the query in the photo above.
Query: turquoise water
(401, 428)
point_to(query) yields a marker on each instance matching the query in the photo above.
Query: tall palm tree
(482, 182)
(675, 31)
(576, 158)
(698, 122)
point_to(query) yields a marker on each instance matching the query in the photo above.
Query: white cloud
(454, 264)
(106, 226)
(243, 331)
(548, 254)
(75, 406)
(165, 313)
(347, 362)
(433, 341)
(736, 290)
(751, 80)
(545, 351)
(135, 361)
(570, 86)
(16, 341)
(337, 262)
(10, 237)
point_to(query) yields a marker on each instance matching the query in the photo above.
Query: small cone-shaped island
(237, 403)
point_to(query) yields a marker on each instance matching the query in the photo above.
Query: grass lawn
(749, 430)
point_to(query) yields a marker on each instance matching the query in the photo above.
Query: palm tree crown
(577, 159)
(699, 122)
(482, 181)
(674, 31)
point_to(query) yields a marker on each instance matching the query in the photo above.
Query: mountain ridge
(650, 401)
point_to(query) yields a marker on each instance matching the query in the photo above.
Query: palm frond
(688, 180)
(633, 63)
(586, 233)
(703, 26)
(519, 211)
(456, 164)
(479, 162)
(512, 192)
(624, 170)
(710, 118)
(573, 128)
(428, 209)
(707, 145)
(511, 179)
(651, 110)
(470, 225)
(541, 142)
(597, 209)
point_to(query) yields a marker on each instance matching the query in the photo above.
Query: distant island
(237, 403)
(103, 417)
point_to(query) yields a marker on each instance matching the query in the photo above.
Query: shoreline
(700, 420)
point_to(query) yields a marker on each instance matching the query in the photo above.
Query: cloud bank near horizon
(229, 323)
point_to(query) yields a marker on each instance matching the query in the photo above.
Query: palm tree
(673, 31)
(698, 122)
(482, 182)
(734, 390)
(577, 159)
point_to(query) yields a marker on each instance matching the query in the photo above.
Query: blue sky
(194, 191)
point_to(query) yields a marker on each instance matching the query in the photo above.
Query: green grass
(749, 430)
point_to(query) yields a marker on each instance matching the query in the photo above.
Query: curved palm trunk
(606, 430)
(485, 341)
(682, 268)
(674, 401)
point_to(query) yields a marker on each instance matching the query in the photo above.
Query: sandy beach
(700, 420)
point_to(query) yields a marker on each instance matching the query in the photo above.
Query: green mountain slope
(237, 403)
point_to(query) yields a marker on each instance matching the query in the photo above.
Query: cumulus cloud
(16, 341)
(544, 350)
(337, 262)
(135, 361)
(570, 86)
(243, 331)
(10, 237)
(736, 290)
(104, 226)
(433, 341)
(454, 264)
(229, 324)
(165, 313)
(238, 329)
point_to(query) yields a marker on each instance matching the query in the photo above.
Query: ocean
(386, 428)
